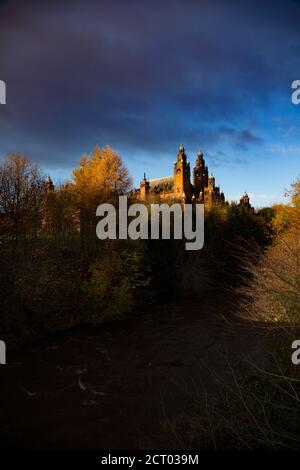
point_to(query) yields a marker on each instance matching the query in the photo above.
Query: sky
(146, 76)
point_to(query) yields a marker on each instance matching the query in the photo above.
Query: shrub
(115, 282)
(258, 410)
(274, 293)
(40, 290)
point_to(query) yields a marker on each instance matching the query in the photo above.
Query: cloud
(239, 138)
(141, 75)
(285, 150)
(249, 137)
(264, 196)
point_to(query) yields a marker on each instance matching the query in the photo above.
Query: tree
(100, 177)
(60, 215)
(22, 188)
(287, 216)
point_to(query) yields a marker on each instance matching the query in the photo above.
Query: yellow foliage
(274, 293)
(102, 175)
(288, 216)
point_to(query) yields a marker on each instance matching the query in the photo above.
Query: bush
(116, 280)
(40, 290)
(274, 292)
(259, 410)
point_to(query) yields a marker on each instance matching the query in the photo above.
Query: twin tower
(179, 186)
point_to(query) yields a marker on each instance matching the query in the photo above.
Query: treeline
(31, 206)
(56, 273)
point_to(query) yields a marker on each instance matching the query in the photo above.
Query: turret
(182, 185)
(199, 174)
(245, 200)
(211, 181)
(49, 186)
(144, 188)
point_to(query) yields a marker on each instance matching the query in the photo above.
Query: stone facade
(245, 202)
(179, 186)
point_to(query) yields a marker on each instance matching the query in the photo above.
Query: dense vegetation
(259, 407)
(56, 273)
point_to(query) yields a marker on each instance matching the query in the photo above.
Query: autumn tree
(100, 177)
(274, 291)
(287, 216)
(22, 188)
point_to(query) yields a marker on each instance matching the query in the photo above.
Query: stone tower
(200, 176)
(210, 192)
(182, 184)
(144, 188)
(245, 201)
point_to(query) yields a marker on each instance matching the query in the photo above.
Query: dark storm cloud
(239, 138)
(140, 75)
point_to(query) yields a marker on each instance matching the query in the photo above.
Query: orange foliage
(102, 175)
